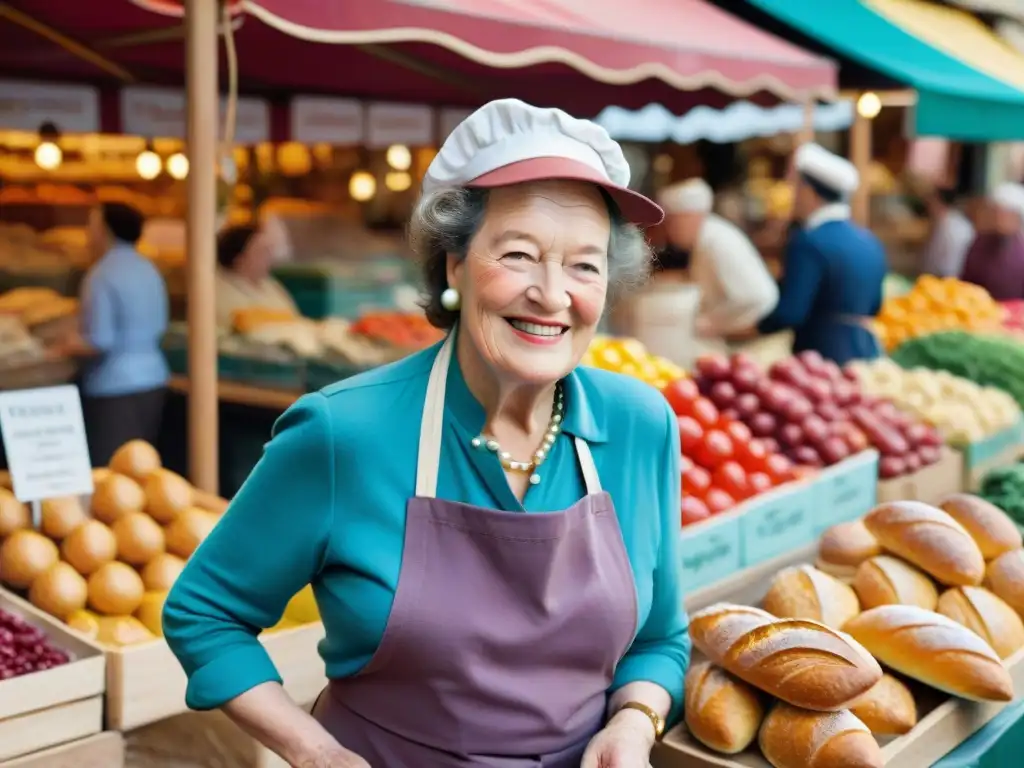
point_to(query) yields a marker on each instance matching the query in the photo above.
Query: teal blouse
(326, 505)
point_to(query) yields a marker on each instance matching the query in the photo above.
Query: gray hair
(446, 220)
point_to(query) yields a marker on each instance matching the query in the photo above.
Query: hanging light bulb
(362, 186)
(399, 157)
(48, 154)
(148, 164)
(398, 181)
(177, 166)
(869, 105)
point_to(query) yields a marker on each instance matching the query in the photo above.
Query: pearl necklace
(481, 442)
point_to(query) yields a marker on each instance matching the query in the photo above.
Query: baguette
(799, 661)
(1005, 578)
(845, 546)
(991, 528)
(930, 539)
(987, 616)
(797, 738)
(933, 649)
(722, 713)
(885, 580)
(888, 709)
(803, 592)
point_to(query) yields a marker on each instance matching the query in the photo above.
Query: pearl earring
(450, 299)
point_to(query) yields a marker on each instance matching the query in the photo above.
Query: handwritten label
(24, 106)
(780, 522)
(162, 113)
(710, 552)
(316, 119)
(44, 437)
(389, 124)
(846, 491)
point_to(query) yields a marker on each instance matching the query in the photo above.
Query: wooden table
(243, 394)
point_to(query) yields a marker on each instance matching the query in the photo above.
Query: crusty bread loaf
(722, 712)
(804, 592)
(797, 738)
(987, 616)
(886, 580)
(933, 649)
(799, 661)
(991, 528)
(845, 546)
(888, 709)
(1005, 579)
(930, 539)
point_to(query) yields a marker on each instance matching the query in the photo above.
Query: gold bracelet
(656, 720)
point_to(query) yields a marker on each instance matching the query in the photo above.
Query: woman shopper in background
(245, 256)
(491, 532)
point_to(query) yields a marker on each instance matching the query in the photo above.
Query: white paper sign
(315, 119)
(389, 124)
(162, 113)
(24, 106)
(44, 438)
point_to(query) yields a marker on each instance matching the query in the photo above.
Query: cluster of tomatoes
(723, 463)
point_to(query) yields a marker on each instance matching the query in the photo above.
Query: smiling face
(535, 279)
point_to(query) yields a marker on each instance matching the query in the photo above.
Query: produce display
(722, 463)
(962, 411)
(630, 357)
(816, 413)
(1013, 317)
(936, 304)
(106, 569)
(871, 621)
(25, 649)
(1004, 487)
(404, 330)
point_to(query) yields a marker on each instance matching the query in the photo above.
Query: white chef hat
(831, 171)
(690, 196)
(1009, 196)
(509, 142)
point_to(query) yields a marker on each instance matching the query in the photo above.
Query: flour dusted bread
(930, 539)
(722, 712)
(991, 528)
(987, 616)
(804, 592)
(888, 709)
(799, 661)
(845, 546)
(886, 580)
(934, 650)
(1004, 577)
(798, 738)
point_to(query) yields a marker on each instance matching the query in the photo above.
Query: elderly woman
(245, 256)
(491, 532)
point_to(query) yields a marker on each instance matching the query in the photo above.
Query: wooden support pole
(860, 156)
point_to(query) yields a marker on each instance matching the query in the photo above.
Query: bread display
(799, 661)
(934, 650)
(888, 709)
(987, 616)
(845, 546)
(722, 712)
(886, 580)
(930, 539)
(797, 738)
(991, 528)
(1004, 577)
(804, 592)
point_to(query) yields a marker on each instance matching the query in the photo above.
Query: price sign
(44, 436)
(847, 490)
(777, 523)
(710, 552)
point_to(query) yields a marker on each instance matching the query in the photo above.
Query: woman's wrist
(636, 723)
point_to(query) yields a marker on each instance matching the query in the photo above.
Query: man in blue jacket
(834, 269)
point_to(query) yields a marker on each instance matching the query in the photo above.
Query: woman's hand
(625, 742)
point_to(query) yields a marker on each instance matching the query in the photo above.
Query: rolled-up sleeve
(661, 651)
(270, 543)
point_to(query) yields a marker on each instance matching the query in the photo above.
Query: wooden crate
(44, 709)
(145, 683)
(943, 725)
(103, 750)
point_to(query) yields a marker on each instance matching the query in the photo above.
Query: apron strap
(589, 469)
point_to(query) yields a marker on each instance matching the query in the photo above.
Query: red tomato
(685, 463)
(718, 501)
(680, 395)
(705, 412)
(738, 431)
(694, 510)
(759, 482)
(690, 434)
(751, 454)
(696, 481)
(714, 449)
(779, 468)
(732, 479)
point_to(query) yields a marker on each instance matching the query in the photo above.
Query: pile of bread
(901, 588)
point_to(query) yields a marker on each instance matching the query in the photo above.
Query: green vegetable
(1004, 487)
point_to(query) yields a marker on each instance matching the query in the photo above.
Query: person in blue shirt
(491, 531)
(834, 269)
(124, 315)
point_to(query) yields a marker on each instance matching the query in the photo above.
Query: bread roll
(991, 528)
(1005, 579)
(933, 649)
(799, 661)
(885, 580)
(987, 616)
(797, 738)
(888, 709)
(722, 712)
(803, 592)
(845, 546)
(930, 539)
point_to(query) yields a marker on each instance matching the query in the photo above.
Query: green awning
(970, 83)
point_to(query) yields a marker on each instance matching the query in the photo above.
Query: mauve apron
(504, 634)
